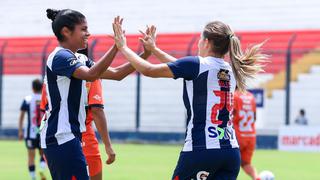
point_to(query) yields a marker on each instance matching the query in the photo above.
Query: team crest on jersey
(223, 75)
(202, 175)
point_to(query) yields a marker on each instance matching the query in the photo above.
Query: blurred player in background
(211, 149)
(31, 106)
(244, 114)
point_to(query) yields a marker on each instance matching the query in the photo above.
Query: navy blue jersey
(31, 105)
(208, 90)
(67, 97)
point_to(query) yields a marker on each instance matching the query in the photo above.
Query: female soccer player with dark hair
(67, 96)
(211, 149)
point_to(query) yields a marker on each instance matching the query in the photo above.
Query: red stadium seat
(23, 55)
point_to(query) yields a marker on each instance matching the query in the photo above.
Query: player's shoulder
(188, 60)
(59, 54)
(64, 53)
(36, 96)
(27, 99)
(81, 57)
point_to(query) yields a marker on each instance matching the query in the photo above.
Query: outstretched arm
(90, 74)
(122, 71)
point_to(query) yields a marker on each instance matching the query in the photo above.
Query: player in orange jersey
(90, 145)
(95, 113)
(244, 113)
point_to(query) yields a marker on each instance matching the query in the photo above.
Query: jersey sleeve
(44, 101)
(95, 97)
(65, 63)
(236, 107)
(187, 67)
(24, 105)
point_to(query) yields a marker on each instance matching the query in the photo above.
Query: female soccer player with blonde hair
(211, 149)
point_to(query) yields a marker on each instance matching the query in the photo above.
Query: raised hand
(119, 34)
(149, 38)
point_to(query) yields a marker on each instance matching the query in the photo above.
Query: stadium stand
(23, 60)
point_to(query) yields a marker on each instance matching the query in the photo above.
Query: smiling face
(80, 35)
(78, 38)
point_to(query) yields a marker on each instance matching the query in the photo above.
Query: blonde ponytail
(245, 65)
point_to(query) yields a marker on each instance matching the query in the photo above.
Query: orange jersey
(95, 98)
(90, 145)
(244, 114)
(44, 101)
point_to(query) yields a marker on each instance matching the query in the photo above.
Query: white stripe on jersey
(212, 66)
(211, 101)
(188, 141)
(64, 126)
(43, 133)
(84, 94)
(64, 133)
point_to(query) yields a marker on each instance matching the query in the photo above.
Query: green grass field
(156, 162)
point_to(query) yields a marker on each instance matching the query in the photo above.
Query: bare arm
(21, 118)
(146, 68)
(121, 71)
(101, 124)
(163, 56)
(93, 73)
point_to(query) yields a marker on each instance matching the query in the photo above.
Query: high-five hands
(149, 38)
(119, 34)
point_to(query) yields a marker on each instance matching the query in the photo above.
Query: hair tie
(231, 36)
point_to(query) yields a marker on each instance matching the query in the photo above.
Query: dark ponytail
(52, 13)
(64, 18)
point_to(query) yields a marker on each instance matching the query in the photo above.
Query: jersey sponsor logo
(221, 133)
(73, 61)
(202, 175)
(97, 97)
